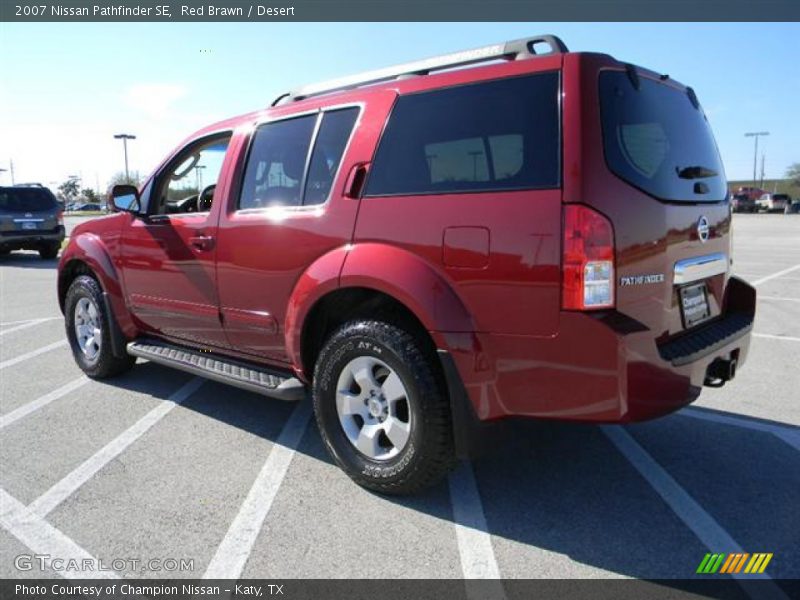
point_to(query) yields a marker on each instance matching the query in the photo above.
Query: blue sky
(65, 89)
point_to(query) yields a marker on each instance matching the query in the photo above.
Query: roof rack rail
(512, 50)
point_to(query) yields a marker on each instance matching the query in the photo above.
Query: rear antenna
(632, 75)
(693, 97)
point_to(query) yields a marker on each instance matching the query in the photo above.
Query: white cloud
(154, 99)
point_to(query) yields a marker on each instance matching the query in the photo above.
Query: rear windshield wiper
(695, 172)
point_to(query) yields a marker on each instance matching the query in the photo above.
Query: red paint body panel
(481, 271)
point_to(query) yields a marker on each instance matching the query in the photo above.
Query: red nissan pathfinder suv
(430, 249)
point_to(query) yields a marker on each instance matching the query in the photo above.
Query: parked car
(793, 208)
(742, 203)
(30, 219)
(753, 193)
(773, 202)
(89, 207)
(431, 255)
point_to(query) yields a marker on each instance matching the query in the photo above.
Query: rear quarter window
(488, 136)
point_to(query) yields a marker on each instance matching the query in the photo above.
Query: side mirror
(125, 198)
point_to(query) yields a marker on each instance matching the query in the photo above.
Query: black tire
(49, 251)
(104, 364)
(428, 453)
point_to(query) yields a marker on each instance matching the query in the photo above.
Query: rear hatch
(27, 210)
(667, 201)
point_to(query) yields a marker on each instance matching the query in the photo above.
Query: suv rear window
(26, 200)
(656, 140)
(488, 136)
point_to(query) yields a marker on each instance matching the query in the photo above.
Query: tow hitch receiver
(720, 371)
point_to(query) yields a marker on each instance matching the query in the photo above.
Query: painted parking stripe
(787, 433)
(778, 298)
(33, 353)
(776, 275)
(472, 534)
(21, 321)
(769, 336)
(26, 325)
(34, 405)
(44, 539)
(62, 490)
(694, 516)
(231, 557)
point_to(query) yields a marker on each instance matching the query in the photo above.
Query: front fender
(90, 249)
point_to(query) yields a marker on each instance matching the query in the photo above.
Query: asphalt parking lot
(158, 465)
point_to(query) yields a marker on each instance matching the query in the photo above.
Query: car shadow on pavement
(560, 497)
(27, 260)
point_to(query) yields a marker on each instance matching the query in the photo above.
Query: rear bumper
(31, 239)
(601, 367)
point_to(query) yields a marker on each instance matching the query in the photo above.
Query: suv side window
(487, 136)
(188, 183)
(334, 133)
(278, 172)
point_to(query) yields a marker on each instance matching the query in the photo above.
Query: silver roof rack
(513, 50)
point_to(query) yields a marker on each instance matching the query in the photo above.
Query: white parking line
(778, 298)
(769, 336)
(231, 557)
(23, 357)
(26, 325)
(787, 433)
(20, 322)
(34, 405)
(694, 516)
(44, 539)
(775, 275)
(472, 534)
(45, 503)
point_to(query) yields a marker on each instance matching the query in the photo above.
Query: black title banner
(405, 589)
(64, 11)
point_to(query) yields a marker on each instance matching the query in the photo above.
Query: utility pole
(755, 134)
(11, 165)
(199, 177)
(125, 137)
(761, 185)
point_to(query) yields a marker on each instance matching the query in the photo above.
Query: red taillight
(60, 217)
(588, 261)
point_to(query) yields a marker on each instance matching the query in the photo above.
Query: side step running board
(250, 377)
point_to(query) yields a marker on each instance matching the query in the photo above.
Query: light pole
(755, 134)
(125, 137)
(198, 176)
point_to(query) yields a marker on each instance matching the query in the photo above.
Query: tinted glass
(656, 140)
(328, 149)
(498, 135)
(277, 160)
(26, 200)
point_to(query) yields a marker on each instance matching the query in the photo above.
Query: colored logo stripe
(733, 563)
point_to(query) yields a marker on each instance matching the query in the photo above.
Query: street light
(755, 134)
(125, 137)
(198, 176)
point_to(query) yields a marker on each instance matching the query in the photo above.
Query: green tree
(89, 195)
(69, 190)
(121, 179)
(793, 173)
